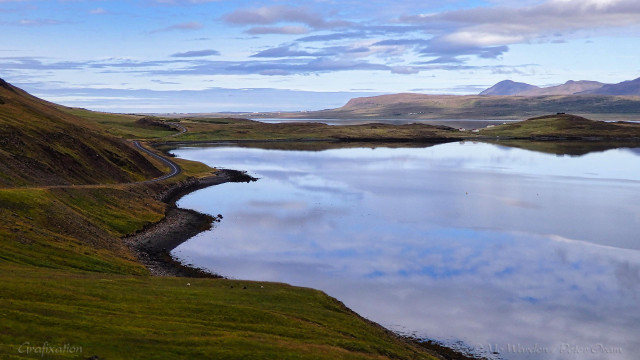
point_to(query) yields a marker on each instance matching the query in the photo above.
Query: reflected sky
(454, 123)
(531, 255)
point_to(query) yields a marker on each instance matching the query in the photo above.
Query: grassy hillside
(124, 317)
(120, 125)
(70, 228)
(68, 279)
(41, 145)
(565, 126)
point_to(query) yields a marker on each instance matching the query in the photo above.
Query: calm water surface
(530, 255)
(455, 123)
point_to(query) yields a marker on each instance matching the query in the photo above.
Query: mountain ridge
(571, 87)
(424, 106)
(629, 87)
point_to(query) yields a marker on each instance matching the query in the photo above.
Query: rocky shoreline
(152, 245)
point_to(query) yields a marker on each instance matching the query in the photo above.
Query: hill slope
(42, 145)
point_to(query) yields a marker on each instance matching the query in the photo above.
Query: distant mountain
(508, 87)
(631, 87)
(569, 88)
(582, 87)
(423, 106)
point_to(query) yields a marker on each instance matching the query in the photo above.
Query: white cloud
(289, 30)
(482, 38)
(270, 15)
(98, 11)
(486, 31)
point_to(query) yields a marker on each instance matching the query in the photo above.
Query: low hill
(631, 87)
(565, 126)
(421, 106)
(43, 145)
(508, 87)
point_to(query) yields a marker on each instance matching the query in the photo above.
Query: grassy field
(220, 129)
(120, 125)
(69, 228)
(138, 317)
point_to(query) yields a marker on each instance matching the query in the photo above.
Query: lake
(497, 249)
(454, 123)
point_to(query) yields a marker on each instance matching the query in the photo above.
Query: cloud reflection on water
(455, 242)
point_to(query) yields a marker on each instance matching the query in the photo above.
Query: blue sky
(240, 55)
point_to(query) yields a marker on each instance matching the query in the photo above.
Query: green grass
(124, 317)
(120, 125)
(74, 228)
(564, 126)
(237, 129)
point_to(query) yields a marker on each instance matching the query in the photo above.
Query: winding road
(175, 168)
(179, 127)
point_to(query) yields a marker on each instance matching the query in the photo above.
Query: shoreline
(152, 245)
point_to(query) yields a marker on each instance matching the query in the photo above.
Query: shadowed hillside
(565, 126)
(42, 145)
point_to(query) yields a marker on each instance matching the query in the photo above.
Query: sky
(162, 56)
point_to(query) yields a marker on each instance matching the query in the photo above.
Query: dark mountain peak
(508, 87)
(6, 85)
